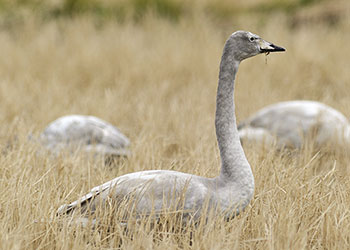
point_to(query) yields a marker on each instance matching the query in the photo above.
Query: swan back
(88, 133)
(292, 121)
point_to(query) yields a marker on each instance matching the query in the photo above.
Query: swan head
(245, 44)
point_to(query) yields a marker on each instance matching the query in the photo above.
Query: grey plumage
(289, 123)
(228, 193)
(86, 133)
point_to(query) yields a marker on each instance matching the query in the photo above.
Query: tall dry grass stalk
(157, 82)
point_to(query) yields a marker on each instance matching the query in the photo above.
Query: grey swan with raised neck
(290, 124)
(151, 192)
(84, 133)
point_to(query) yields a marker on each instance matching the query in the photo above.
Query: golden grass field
(156, 81)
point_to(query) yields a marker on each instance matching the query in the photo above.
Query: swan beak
(266, 47)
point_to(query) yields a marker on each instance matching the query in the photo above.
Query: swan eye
(252, 39)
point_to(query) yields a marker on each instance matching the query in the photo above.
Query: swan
(151, 192)
(86, 133)
(288, 124)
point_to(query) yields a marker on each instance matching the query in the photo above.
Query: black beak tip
(277, 48)
(274, 48)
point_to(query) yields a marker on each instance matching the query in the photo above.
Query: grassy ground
(156, 80)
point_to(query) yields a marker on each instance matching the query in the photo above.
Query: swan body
(154, 191)
(289, 123)
(86, 133)
(195, 190)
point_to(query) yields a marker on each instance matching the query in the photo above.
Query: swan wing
(151, 191)
(291, 121)
(86, 131)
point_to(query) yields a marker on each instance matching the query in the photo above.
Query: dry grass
(157, 81)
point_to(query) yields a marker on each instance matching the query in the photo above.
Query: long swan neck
(234, 165)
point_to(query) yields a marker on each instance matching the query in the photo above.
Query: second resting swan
(288, 124)
(85, 133)
(151, 192)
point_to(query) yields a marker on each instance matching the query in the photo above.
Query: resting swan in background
(86, 133)
(288, 124)
(154, 191)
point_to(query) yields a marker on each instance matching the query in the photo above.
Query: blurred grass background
(328, 11)
(151, 68)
